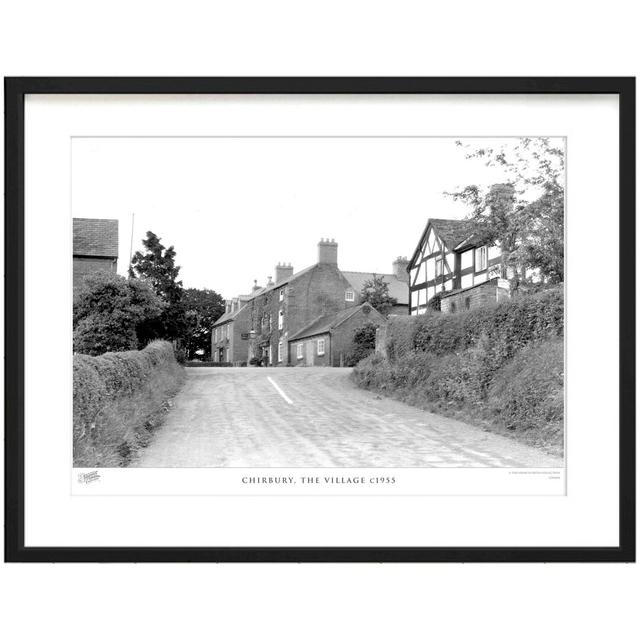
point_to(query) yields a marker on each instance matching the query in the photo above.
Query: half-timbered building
(450, 261)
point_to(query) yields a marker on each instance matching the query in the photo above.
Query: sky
(235, 207)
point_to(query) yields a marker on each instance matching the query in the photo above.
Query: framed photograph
(320, 319)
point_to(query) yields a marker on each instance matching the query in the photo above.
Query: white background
(372, 38)
(586, 516)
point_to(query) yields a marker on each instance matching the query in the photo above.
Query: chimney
(328, 251)
(400, 265)
(269, 282)
(283, 271)
(256, 286)
(227, 306)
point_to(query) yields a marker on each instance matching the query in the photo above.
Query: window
(270, 354)
(229, 325)
(467, 302)
(481, 258)
(215, 335)
(270, 322)
(280, 319)
(228, 359)
(299, 350)
(349, 296)
(438, 267)
(282, 294)
(321, 347)
(280, 351)
(453, 307)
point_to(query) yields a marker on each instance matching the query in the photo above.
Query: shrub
(400, 332)
(108, 310)
(117, 398)
(527, 394)
(503, 363)
(510, 324)
(364, 344)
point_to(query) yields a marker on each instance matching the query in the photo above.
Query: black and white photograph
(318, 302)
(314, 320)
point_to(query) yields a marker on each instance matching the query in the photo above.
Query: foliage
(435, 302)
(400, 336)
(508, 325)
(118, 398)
(528, 393)
(202, 308)
(525, 215)
(376, 292)
(364, 343)
(520, 396)
(157, 267)
(498, 362)
(108, 310)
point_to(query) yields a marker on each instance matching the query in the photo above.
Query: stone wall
(488, 292)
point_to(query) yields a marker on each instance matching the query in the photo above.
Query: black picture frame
(15, 91)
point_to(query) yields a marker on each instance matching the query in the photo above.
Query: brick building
(259, 325)
(328, 339)
(95, 247)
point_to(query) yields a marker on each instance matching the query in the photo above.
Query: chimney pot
(400, 265)
(328, 251)
(283, 271)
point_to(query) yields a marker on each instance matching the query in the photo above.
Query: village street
(315, 417)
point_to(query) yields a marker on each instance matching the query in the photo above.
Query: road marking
(280, 391)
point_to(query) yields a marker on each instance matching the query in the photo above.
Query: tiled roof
(452, 232)
(95, 237)
(225, 317)
(324, 324)
(399, 289)
(258, 292)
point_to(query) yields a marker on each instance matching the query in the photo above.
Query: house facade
(328, 340)
(95, 247)
(266, 319)
(449, 261)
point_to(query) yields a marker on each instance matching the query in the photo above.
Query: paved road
(315, 417)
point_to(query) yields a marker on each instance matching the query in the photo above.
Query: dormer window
(349, 296)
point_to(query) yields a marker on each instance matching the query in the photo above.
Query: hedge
(513, 323)
(113, 397)
(502, 363)
(508, 325)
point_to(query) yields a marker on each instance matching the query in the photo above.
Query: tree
(524, 215)
(376, 292)
(157, 267)
(364, 344)
(108, 311)
(202, 308)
